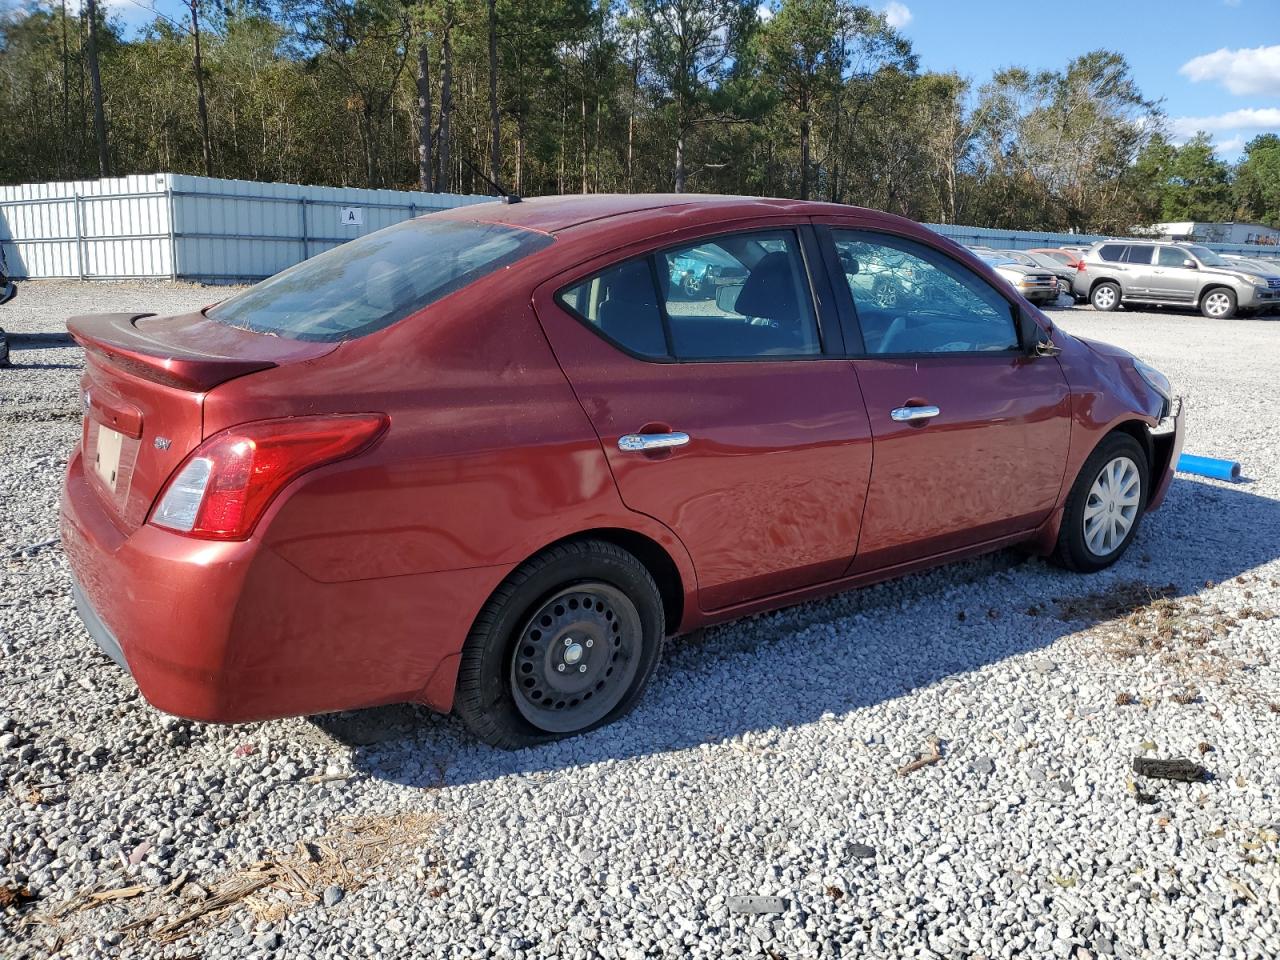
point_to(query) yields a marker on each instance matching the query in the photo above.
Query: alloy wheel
(1217, 304)
(1112, 506)
(576, 657)
(1104, 298)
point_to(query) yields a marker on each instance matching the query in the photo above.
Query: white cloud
(1229, 147)
(897, 15)
(1250, 71)
(1250, 118)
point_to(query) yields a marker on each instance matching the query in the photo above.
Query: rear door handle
(639, 442)
(906, 414)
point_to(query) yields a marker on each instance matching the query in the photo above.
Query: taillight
(1079, 266)
(226, 483)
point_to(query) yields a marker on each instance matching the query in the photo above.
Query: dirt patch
(1141, 621)
(358, 851)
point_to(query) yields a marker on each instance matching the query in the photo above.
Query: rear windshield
(372, 282)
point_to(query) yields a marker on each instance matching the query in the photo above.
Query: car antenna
(497, 188)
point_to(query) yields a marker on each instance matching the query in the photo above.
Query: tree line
(818, 99)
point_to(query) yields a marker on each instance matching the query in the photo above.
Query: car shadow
(850, 651)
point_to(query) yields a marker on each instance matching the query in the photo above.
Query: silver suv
(1173, 275)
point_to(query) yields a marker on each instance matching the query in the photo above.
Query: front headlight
(1156, 380)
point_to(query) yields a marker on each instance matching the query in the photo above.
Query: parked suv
(1173, 274)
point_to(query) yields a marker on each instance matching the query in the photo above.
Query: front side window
(912, 299)
(744, 296)
(370, 283)
(1172, 257)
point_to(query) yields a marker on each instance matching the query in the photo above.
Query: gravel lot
(763, 761)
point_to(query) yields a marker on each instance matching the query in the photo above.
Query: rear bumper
(1166, 446)
(230, 632)
(99, 631)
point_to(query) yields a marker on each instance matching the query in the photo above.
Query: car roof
(559, 213)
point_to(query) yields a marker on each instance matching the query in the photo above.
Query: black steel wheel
(576, 657)
(567, 643)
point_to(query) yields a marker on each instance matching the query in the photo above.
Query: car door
(725, 412)
(1171, 279)
(1140, 267)
(970, 432)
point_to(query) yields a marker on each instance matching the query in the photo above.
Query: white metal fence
(179, 227)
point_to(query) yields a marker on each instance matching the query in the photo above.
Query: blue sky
(1215, 63)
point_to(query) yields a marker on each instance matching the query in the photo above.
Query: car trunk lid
(143, 391)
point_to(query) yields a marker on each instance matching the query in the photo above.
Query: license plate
(107, 459)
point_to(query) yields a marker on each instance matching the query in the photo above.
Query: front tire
(1218, 304)
(1105, 506)
(566, 644)
(1105, 296)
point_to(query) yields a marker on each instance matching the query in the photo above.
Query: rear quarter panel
(487, 459)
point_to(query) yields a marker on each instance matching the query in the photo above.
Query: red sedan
(489, 459)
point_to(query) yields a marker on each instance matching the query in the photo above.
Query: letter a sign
(351, 216)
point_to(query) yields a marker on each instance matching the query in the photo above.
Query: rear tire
(1218, 303)
(1105, 296)
(1105, 506)
(581, 625)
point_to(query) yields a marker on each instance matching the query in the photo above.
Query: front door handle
(640, 442)
(906, 414)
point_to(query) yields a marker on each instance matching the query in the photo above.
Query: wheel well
(1094, 285)
(654, 556)
(1210, 287)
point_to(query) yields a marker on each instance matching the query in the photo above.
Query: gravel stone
(761, 750)
(333, 895)
(982, 765)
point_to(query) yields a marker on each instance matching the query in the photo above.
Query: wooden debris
(923, 760)
(120, 893)
(220, 901)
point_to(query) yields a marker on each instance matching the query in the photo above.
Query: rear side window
(622, 303)
(1140, 253)
(1112, 252)
(743, 296)
(372, 282)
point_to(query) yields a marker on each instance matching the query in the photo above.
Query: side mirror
(1190, 264)
(1035, 339)
(727, 297)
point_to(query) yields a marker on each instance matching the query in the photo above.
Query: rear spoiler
(158, 351)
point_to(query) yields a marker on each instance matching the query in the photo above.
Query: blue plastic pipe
(1209, 467)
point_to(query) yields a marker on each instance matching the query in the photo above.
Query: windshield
(376, 280)
(1207, 257)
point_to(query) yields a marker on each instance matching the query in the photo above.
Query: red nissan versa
(489, 459)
